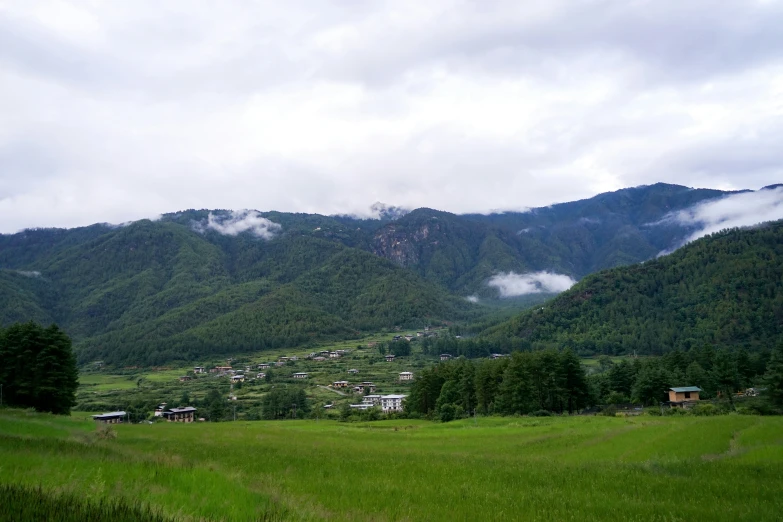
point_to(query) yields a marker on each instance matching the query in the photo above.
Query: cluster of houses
(388, 403)
(187, 414)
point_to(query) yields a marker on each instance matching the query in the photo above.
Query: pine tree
(774, 376)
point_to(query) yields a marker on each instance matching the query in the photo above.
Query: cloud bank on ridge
(511, 284)
(238, 221)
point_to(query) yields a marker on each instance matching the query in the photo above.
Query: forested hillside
(722, 290)
(203, 282)
(151, 292)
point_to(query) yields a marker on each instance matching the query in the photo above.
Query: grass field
(568, 468)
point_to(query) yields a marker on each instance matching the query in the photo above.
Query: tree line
(37, 368)
(556, 381)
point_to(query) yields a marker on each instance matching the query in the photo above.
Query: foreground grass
(578, 468)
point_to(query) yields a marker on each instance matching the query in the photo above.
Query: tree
(774, 376)
(216, 405)
(38, 368)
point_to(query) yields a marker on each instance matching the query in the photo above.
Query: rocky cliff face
(400, 245)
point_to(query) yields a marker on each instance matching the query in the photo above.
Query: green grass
(577, 468)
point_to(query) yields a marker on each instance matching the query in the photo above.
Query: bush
(105, 432)
(653, 411)
(609, 411)
(540, 413)
(705, 410)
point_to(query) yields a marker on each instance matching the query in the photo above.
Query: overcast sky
(114, 111)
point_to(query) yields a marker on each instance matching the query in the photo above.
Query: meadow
(551, 468)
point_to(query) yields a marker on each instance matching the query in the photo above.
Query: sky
(115, 111)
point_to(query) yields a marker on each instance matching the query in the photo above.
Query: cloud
(113, 111)
(239, 221)
(737, 210)
(29, 273)
(511, 284)
(472, 299)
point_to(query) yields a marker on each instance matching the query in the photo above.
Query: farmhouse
(408, 338)
(180, 414)
(319, 358)
(185, 378)
(365, 385)
(160, 409)
(389, 358)
(260, 375)
(406, 376)
(334, 355)
(683, 397)
(445, 356)
(237, 378)
(114, 417)
(340, 384)
(282, 359)
(198, 369)
(221, 370)
(263, 366)
(300, 375)
(392, 402)
(353, 370)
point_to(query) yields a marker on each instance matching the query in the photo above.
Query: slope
(724, 290)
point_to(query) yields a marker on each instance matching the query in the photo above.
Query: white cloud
(737, 210)
(511, 284)
(238, 221)
(29, 273)
(472, 299)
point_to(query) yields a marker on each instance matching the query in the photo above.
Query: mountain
(155, 291)
(200, 282)
(722, 290)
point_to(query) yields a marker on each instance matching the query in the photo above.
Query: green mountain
(722, 290)
(155, 291)
(201, 282)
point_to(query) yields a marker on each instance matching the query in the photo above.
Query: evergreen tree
(38, 368)
(774, 376)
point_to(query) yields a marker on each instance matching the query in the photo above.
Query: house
(392, 402)
(683, 397)
(396, 338)
(198, 369)
(445, 356)
(263, 366)
(498, 355)
(419, 334)
(340, 384)
(362, 406)
(353, 370)
(319, 358)
(293, 358)
(260, 375)
(341, 352)
(334, 355)
(114, 417)
(300, 375)
(222, 370)
(371, 399)
(160, 409)
(180, 414)
(406, 376)
(364, 386)
(185, 378)
(279, 363)
(389, 358)
(237, 378)
(408, 338)
(282, 359)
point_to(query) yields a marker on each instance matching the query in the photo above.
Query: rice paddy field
(559, 468)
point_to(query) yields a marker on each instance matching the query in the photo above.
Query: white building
(238, 378)
(406, 376)
(300, 375)
(371, 399)
(198, 369)
(392, 402)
